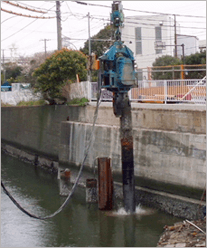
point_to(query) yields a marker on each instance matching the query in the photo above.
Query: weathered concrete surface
(169, 140)
(35, 128)
(170, 157)
(169, 117)
(31, 158)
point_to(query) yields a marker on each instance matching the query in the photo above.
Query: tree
(99, 47)
(30, 64)
(195, 59)
(57, 71)
(13, 71)
(166, 60)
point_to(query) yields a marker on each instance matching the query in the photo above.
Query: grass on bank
(5, 105)
(75, 101)
(32, 103)
(78, 101)
(23, 103)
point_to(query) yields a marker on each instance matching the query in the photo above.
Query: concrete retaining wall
(35, 129)
(169, 140)
(169, 157)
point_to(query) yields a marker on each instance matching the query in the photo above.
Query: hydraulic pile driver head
(117, 69)
(117, 65)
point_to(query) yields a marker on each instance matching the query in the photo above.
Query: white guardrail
(161, 91)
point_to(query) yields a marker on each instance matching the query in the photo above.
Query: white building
(202, 45)
(191, 44)
(150, 37)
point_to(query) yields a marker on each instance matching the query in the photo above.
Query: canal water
(78, 225)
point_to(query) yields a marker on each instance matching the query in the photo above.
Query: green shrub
(78, 101)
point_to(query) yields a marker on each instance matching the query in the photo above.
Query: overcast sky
(26, 35)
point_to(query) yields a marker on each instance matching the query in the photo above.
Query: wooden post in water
(65, 182)
(105, 182)
(91, 191)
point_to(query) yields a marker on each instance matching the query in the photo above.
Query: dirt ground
(184, 234)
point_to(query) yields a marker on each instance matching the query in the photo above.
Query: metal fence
(162, 91)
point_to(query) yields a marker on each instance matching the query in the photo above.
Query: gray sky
(26, 34)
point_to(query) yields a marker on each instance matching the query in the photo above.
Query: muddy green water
(79, 225)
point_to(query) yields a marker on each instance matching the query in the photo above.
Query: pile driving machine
(119, 76)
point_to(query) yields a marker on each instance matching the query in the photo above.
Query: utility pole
(4, 67)
(89, 47)
(183, 52)
(45, 40)
(175, 36)
(59, 38)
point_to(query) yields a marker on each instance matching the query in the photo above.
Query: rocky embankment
(184, 234)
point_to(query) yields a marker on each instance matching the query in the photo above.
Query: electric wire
(159, 13)
(40, 8)
(21, 29)
(19, 6)
(74, 14)
(35, 30)
(142, 11)
(19, 14)
(77, 178)
(8, 19)
(152, 24)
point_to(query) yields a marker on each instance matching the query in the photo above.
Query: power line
(36, 7)
(17, 5)
(8, 19)
(147, 24)
(143, 59)
(151, 24)
(22, 28)
(149, 18)
(19, 30)
(19, 14)
(73, 13)
(142, 11)
(159, 13)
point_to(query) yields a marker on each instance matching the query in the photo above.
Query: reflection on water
(79, 225)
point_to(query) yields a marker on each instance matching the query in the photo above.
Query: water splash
(139, 211)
